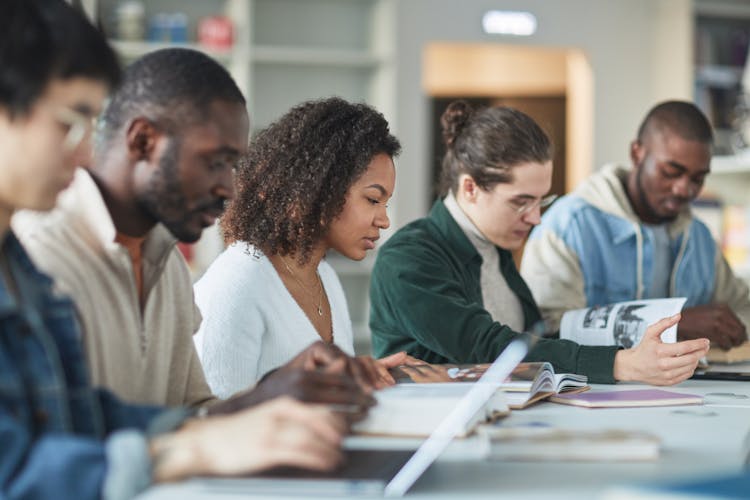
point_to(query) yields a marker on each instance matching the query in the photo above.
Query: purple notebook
(622, 399)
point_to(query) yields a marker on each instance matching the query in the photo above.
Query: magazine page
(569, 381)
(437, 373)
(521, 379)
(621, 323)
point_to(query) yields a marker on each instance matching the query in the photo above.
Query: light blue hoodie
(592, 249)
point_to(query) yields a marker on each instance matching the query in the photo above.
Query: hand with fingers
(716, 322)
(322, 373)
(283, 432)
(335, 389)
(655, 362)
(381, 368)
(331, 359)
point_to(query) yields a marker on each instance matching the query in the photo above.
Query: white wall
(640, 52)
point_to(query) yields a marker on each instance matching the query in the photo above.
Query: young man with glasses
(59, 436)
(627, 233)
(445, 288)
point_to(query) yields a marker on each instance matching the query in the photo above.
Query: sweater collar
(605, 190)
(466, 252)
(94, 214)
(452, 232)
(82, 207)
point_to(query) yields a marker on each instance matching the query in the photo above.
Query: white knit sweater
(252, 324)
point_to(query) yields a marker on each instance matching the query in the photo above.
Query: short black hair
(487, 143)
(293, 181)
(43, 40)
(174, 87)
(680, 117)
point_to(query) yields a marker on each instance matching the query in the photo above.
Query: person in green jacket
(445, 288)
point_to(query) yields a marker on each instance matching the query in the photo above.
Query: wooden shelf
(717, 76)
(737, 164)
(133, 50)
(269, 54)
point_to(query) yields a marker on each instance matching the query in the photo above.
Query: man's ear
(637, 153)
(141, 139)
(468, 187)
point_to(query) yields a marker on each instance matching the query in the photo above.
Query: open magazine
(621, 323)
(529, 382)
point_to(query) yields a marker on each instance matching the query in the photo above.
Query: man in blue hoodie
(628, 234)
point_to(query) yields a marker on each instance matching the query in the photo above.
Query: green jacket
(426, 299)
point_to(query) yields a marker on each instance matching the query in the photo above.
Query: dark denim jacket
(54, 427)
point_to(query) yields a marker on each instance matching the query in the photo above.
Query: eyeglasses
(523, 206)
(78, 124)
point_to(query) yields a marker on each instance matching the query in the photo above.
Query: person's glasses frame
(522, 207)
(78, 125)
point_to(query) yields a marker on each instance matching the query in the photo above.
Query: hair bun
(454, 119)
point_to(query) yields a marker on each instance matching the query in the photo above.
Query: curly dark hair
(294, 179)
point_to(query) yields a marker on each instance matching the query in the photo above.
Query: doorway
(547, 111)
(553, 86)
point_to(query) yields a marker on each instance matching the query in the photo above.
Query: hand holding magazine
(621, 323)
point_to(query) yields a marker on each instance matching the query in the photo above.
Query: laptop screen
(452, 425)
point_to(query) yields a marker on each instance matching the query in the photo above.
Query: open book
(621, 323)
(409, 410)
(529, 382)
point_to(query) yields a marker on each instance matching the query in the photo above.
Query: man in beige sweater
(162, 171)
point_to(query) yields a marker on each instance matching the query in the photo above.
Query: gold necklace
(304, 288)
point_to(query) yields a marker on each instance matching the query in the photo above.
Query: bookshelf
(722, 35)
(729, 216)
(285, 52)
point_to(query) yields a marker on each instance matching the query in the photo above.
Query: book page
(417, 409)
(621, 323)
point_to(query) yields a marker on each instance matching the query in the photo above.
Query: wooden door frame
(484, 70)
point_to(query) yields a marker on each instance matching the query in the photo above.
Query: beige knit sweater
(142, 356)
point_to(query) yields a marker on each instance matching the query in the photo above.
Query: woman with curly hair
(317, 179)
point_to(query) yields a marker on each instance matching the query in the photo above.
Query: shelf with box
(724, 206)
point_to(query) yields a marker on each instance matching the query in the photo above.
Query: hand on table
(716, 322)
(319, 374)
(280, 432)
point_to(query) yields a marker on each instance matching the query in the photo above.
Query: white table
(697, 441)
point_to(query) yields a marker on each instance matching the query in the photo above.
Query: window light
(508, 22)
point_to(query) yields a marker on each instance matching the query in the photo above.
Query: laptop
(369, 472)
